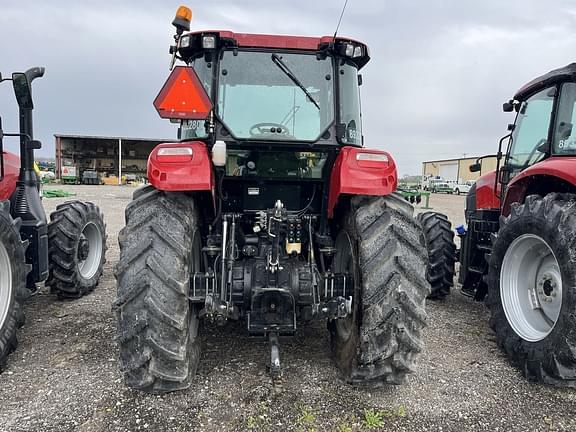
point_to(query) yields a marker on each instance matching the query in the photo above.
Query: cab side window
(564, 131)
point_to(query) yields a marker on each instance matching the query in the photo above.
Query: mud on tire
(76, 249)
(157, 326)
(382, 245)
(13, 272)
(441, 253)
(552, 219)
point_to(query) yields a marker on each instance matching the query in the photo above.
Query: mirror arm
(16, 135)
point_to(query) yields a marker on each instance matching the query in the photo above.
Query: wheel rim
(5, 284)
(344, 264)
(531, 287)
(89, 250)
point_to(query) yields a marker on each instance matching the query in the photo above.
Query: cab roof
(566, 73)
(252, 40)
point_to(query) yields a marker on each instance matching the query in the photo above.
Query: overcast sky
(439, 73)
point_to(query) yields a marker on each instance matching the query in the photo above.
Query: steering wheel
(266, 129)
(533, 152)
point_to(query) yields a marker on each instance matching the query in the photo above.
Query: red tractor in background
(68, 253)
(269, 210)
(519, 250)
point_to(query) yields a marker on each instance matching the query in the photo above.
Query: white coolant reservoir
(219, 154)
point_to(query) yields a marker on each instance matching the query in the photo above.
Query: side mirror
(22, 91)
(508, 106)
(359, 79)
(477, 167)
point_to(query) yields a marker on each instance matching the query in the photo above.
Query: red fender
(11, 173)
(486, 196)
(359, 171)
(561, 167)
(181, 167)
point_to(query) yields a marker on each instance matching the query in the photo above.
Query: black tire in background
(441, 253)
(552, 220)
(76, 248)
(13, 271)
(160, 248)
(382, 246)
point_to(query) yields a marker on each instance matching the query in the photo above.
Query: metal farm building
(457, 169)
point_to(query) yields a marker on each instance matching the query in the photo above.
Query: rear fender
(555, 174)
(356, 172)
(486, 196)
(181, 173)
(11, 173)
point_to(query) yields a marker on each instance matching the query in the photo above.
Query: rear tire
(537, 241)
(160, 248)
(13, 271)
(441, 253)
(76, 249)
(381, 244)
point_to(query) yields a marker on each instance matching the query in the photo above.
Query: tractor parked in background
(519, 250)
(271, 211)
(67, 253)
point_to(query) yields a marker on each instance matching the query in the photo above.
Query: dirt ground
(64, 375)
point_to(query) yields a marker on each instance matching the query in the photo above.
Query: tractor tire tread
(392, 313)
(441, 253)
(553, 359)
(16, 249)
(159, 353)
(64, 231)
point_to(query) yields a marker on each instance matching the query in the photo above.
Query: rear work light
(372, 157)
(351, 50)
(209, 42)
(175, 154)
(185, 42)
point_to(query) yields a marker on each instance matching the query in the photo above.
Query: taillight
(372, 157)
(174, 154)
(372, 160)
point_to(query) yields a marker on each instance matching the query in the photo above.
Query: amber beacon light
(182, 19)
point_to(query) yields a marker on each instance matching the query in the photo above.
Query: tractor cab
(276, 89)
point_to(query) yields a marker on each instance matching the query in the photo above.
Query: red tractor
(67, 253)
(520, 248)
(269, 210)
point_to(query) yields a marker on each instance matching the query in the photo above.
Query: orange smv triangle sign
(183, 96)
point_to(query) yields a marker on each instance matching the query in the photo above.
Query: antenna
(339, 21)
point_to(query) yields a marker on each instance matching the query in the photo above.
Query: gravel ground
(64, 376)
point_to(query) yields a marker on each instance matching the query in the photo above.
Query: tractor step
(475, 270)
(484, 247)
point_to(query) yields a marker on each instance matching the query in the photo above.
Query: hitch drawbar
(274, 366)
